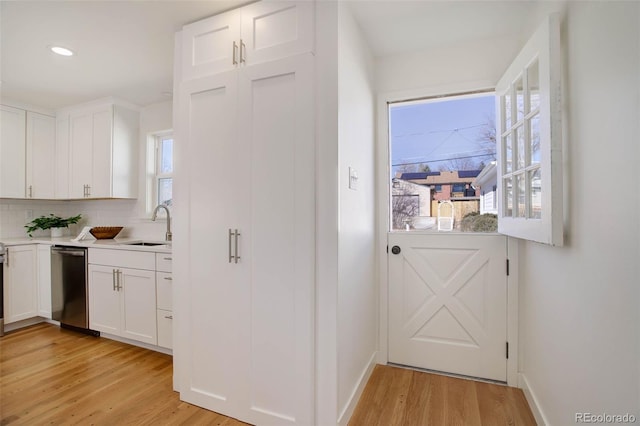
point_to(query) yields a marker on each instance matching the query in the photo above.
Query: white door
(211, 46)
(81, 167)
(20, 283)
(138, 299)
(209, 314)
(448, 303)
(41, 147)
(248, 321)
(276, 136)
(101, 170)
(104, 300)
(12, 152)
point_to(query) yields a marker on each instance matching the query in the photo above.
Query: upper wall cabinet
(12, 152)
(27, 146)
(102, 146)
(256, 33)
(41, 149)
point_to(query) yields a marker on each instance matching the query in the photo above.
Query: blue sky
(440, 130)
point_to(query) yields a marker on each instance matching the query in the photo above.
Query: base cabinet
(44, 280)
(122, 302)
(20, 283)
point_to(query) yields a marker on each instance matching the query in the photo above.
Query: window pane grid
(521, 146)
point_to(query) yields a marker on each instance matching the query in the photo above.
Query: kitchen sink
(144, 243)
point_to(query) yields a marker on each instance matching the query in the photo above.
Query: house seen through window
(443, 153)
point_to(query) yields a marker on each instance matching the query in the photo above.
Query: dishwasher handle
(68, 251)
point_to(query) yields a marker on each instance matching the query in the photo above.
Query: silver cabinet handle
(242, 51)
(119, 272)
(237, 257)
(235, 53)
(88, 190)
(6, 258)
(230, 235)
(167, 258)
(30, 191)
(113, 274)
(169, 317)
(168, 278)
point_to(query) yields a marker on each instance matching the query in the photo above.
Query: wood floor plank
(403, 397)
(59, 377)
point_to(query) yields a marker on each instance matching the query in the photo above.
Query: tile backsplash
(14, 214)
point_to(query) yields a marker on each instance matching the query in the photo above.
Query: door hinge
(507, 267)
(507, 353)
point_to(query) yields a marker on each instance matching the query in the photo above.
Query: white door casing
(448, 303)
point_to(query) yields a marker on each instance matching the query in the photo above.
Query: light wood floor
(399, 396)
(54, 376)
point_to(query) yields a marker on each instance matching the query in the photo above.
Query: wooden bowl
(105, 232)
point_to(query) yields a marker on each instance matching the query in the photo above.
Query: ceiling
(125, 48)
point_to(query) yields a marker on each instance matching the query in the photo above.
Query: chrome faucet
(168, 235)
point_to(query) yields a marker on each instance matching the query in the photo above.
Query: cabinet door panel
(276, 104)
(208, 45)
(211, 318)
(104, 300)
(81, 135)
(138, 298)
(44, 281)
(41, 146)
(165, 329)
(62, 158)
(12, 152)
(20, 284)
(100, 186)
(275, 30)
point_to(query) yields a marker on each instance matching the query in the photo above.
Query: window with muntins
(530, 141)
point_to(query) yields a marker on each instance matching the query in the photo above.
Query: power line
(457, 129)
(445, 159)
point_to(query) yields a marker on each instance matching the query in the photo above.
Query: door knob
(395, 250)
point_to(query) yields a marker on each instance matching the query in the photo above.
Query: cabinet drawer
(123, 258)
(165, 328)
(164, 290)
(163, 262)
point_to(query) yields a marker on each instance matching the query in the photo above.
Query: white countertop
(118, 243)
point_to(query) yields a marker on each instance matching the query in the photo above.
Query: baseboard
(533, 401)
(137, 343)
(350, 406)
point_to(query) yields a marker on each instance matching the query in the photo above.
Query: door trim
(382, 188)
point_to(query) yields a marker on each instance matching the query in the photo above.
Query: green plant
(51, 221)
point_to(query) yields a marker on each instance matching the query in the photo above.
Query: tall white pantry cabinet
(245, 281)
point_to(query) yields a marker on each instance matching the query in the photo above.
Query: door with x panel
(448, 303)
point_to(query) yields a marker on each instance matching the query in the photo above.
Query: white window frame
(153, 167)
(544, 46)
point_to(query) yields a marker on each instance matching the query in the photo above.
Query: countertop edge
(117, 244)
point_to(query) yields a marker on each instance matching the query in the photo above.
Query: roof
(438, 178)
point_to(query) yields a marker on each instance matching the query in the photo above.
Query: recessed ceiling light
(61, 50)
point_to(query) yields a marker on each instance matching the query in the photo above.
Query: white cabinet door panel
(138, 299)
(276, 29)
(44, 280)
(276, 104)
(41, 147)
(104, 300)
(12, 152)
(81, 146)
(209, 45)
(20, 283)
(165, 328)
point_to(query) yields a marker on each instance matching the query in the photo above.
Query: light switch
(353, 178)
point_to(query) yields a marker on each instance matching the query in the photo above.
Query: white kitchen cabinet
(164, 294)
(44, 280)
(259, 32)
(41, 154)
(20, 283)
(103, 140)
(12, 152)
(61, 159)
(257, 306)
(122, 300)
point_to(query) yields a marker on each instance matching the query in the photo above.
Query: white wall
(357, 289)
(14, 214)
(580, 304)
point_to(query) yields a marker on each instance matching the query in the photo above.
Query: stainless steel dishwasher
(69, 288)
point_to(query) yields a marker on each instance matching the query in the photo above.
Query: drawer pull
(169, 317)
(168, 278)
(167, 258)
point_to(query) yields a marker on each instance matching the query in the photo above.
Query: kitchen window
(159, 171)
